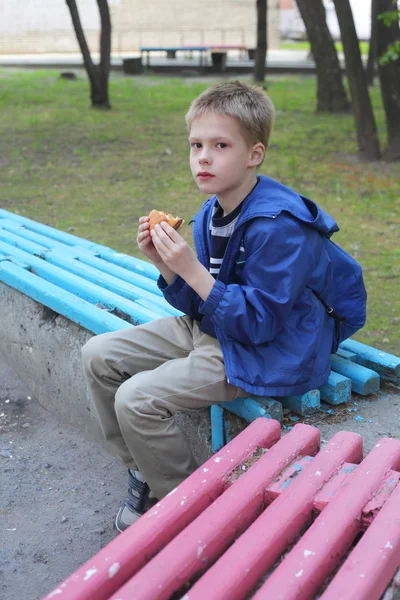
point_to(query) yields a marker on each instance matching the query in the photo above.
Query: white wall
(361, 14)
(291, 24)
(45, 25)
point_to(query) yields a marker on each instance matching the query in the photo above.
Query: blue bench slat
(133, 264)
(302, 404)
(24, 244)
(17, 262)
(84, 255)
(80, 287)
(337, 390)
(87, 257)
(21, 231)
(50, 232)
(363, 381)
(122, 288)
(217, 427)
(130, 263)
(112, 283)
(387, 365)
(91, 317)
(252, 407)
(345, 354)
(157, 304)
(69, 264)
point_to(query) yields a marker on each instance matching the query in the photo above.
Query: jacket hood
(269, 198)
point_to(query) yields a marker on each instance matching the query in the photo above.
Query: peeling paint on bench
(293, 509)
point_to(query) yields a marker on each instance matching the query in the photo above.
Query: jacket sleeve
(181, 296)
(281, 257)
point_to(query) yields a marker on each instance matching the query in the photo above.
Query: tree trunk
(389, 75)
(331, 95)
(105, 55)
(371, 64)
(98, 75)
(262, 39)
(368, 143)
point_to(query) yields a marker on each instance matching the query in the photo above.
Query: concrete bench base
(44, 348)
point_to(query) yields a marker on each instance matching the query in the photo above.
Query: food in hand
(157, 216)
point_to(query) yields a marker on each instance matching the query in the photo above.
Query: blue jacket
(275, 335)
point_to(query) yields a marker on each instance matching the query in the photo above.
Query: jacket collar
(269, 198)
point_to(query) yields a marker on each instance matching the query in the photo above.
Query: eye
(195, 145)
(222, 145)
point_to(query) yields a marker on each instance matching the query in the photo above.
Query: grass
(292, 45)
(96, 172)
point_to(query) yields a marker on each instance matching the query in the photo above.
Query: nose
(204, 157)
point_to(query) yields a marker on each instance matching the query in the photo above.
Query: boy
(252, 323)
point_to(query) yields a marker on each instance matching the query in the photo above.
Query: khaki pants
(139, 378)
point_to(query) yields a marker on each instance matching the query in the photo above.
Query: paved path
(278, 60)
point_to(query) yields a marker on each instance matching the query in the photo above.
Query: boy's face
(220, 155)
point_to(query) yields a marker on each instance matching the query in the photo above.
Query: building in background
(44, 26)
(292, 26)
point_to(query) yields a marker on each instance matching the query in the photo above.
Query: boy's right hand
(145, 243)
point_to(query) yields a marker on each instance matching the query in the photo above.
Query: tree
(262, 40)
(367, 138)
(371, 64)
(387, 40)
(331, 95)
(98, 74)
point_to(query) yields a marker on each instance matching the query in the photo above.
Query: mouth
(204, 175)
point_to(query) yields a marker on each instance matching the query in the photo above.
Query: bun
(157, 216)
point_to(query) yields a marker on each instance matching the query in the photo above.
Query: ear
(257, 153)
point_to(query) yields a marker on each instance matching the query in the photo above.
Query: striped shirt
(221, 229)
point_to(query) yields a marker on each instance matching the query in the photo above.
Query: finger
(170, 231)
(143, 236)
(144, 243)
(144, 227)
(164, 236)
(158, 243)
(144, 219)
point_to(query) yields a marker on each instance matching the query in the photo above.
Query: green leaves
(391, 55)
(389, 17)
(393, 50)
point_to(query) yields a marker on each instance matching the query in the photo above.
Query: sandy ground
(59, 491)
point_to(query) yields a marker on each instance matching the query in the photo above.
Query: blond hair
(249, 104)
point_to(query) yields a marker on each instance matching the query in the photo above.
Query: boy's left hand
(173, 250)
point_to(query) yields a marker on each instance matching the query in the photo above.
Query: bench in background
(218, 53)
(171, 51)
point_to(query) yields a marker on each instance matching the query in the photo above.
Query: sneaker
(139, 501)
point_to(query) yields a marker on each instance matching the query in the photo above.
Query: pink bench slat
(113, 565)
(374, 561)
(209, 535)
(291, 513)
(234, 575)
(315, 556)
